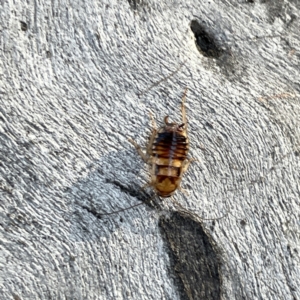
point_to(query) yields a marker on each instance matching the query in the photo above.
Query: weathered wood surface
(74, 84)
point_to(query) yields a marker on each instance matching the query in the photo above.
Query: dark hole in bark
(205, 42)
(24, 26)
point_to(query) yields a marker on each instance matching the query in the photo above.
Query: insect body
(167, 154)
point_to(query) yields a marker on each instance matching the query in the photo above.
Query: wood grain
(74, 85)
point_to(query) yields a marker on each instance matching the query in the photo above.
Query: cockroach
(166, 154)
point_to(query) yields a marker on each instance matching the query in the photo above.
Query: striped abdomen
(169, 152)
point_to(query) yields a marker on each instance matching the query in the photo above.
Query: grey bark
(78, 78)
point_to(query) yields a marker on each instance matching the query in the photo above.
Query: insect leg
(184, 168)
(184, 191)
(152, 137)
(186, 164)
(154, 126)
(139, 150)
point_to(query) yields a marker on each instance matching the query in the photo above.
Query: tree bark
(78, 78)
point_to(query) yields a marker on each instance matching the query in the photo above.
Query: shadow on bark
(194, 261)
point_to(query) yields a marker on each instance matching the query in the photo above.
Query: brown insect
(167, 154)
